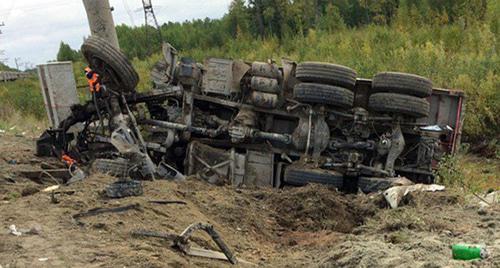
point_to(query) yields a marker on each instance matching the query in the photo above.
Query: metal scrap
(124, 188)
(181, 242)
(167, 202)
(97, 211)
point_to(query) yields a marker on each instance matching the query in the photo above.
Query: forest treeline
(285, 19)
(453, 42)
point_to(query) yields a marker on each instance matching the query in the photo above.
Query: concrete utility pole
(101, 20)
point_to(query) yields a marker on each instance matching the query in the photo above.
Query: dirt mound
(316, 207)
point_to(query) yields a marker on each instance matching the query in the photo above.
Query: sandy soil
(292, 227)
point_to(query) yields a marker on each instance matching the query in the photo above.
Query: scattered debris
(14, 231)
(114, 167)
(51, 188)
(167, 202)
(45, 165)
(97, 211)
(9, 179)
(43, 259)
(394, 195)
(34, 230)
(58, 176)
(124, 188)
(182, 242)
(76, 175)
(488, 199)
(168, 172)
(30, 190)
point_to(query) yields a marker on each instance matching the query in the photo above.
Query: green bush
(22, 95)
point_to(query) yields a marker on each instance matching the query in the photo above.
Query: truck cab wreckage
(257, 123)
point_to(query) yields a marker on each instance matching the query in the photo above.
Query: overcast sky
(34, 28)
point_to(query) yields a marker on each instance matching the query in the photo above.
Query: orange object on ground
(93, 80)
(68, 160)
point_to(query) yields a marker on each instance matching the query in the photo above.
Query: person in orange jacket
(93, 80)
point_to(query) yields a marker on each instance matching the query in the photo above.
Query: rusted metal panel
(220, 166)
(219, 76)
(447, 109)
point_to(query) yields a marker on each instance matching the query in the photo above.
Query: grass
(23, 96)
(469, 173)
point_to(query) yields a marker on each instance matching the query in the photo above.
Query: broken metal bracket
(181, 242)
(397, 147)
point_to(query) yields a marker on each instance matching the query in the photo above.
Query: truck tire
(398, 103)
(113, 67)
(302, 176)
(113, 167)
(121, 189)
(326, 73)
(372, 184)
(402, 83)
(323, 94)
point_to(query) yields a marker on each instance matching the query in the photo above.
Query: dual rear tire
(325, 83)
(400, 94)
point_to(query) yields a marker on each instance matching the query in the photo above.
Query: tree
(257, 12)
(238, 18)
(331, 20)
(66, 53)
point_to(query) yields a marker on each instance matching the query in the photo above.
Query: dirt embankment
(293, 227)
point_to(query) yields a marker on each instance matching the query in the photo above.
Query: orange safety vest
(93, 80)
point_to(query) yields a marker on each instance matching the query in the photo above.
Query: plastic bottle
(468, 252)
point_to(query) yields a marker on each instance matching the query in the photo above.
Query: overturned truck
(260, 124)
